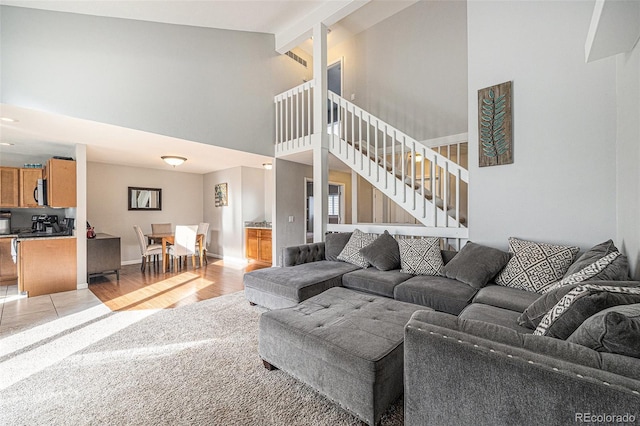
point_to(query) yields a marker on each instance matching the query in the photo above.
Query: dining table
(169, 238)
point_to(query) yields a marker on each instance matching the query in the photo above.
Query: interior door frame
(343, 197)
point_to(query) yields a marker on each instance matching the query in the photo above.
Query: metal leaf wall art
(494, 125)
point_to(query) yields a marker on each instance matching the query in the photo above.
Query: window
(334, 205)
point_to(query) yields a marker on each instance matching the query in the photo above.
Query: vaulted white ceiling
(39, 131)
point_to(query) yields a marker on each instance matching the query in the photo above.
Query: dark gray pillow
(532, 316)
(383, 253)
(615, 330)
(617, 270)
(476, 264)
(581, 303)
(334, 243)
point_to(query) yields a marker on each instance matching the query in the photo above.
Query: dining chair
(147, 250)
(184, 244)
(161, 228)
(203, 228)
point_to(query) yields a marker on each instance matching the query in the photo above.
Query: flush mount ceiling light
(8, 120)
(173, 160)
(267, 166)
(6, 144)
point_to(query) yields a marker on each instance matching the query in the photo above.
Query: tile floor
(18, 313)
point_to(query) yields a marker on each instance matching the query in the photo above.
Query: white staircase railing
(294, 118)
(428, 185)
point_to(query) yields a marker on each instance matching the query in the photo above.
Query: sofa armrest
(455, 375)
(306, 253)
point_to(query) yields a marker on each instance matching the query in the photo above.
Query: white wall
(107, 209)
(205, 85)
(247, 189)
(411, 69)
(628, 157)
(561, 186)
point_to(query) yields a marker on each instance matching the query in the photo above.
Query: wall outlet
(290, 219)
(353, 96)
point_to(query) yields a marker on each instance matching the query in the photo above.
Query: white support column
(321, 149)
(354, 197)
(80, 215)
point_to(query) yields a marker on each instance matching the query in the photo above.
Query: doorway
(335, 206)
(334, 84)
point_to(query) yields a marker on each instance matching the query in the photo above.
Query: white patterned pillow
(535, 266)
(351, 252)
(585, 273)
(421, 256)
(566, 316)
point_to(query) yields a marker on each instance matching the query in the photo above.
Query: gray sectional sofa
(470, 356)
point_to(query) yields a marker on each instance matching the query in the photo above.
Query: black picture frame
(140, 198)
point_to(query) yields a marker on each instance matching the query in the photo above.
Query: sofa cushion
(476, 264)
(351, 251)
(334, 243)
(371, 280)
(297, 283)
(421, 256)
(579, 304)
(534, 266)
(383, 253)
(493, 315)
(615, 330)
(505, 297)
(440, 293)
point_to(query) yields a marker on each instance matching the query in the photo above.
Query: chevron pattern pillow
(535, 266)
(581, 303)
(351, 252)
(586, 273)
(421, 256)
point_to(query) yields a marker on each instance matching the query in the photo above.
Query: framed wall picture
(495, 130)
(221, 195)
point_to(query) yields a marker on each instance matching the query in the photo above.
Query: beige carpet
(195, 365)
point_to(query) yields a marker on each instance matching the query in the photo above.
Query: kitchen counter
(22, 236)
(258, 227)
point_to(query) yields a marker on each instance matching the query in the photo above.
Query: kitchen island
(46, 264)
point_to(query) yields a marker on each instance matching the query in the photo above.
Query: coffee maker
(47, 223)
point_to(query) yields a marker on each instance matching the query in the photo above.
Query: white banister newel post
(321, 149)
(354, 197)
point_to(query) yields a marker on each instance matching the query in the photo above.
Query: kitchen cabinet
(103, 256)
(28, 184)
(8, 269)
(61, 183)
(258, 244)
(9, 186)
(47, 265)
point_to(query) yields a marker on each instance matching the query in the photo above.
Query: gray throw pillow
(534, 313)
(351, 252)
(617, 270)
(476, 264)
(334, 243)
(535, 266)
(421, 256)
(579, 304)
(383, 253)
(614, 330)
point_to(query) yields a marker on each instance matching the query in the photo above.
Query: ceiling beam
(615, 28)
(328, 13)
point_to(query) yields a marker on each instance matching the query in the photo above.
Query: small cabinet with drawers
(258, 244)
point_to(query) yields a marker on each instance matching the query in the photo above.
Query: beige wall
(107, 202)
(250, 199)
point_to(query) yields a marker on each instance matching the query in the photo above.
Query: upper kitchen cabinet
(61, 183)
(28, 184)
(9, 186)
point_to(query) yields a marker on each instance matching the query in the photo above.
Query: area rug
(194, 365)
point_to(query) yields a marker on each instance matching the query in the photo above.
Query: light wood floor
(153, 289)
